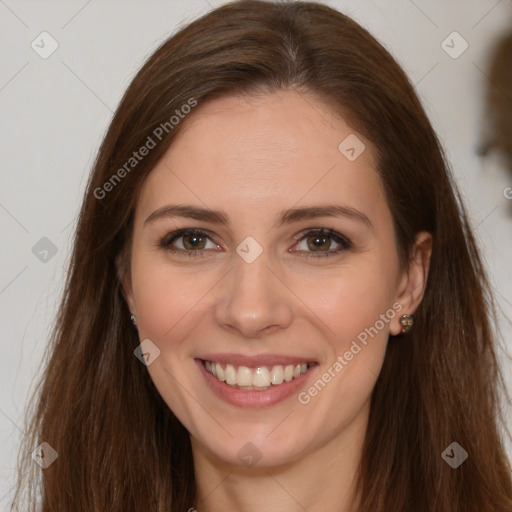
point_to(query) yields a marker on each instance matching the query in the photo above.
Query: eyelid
(323, 231)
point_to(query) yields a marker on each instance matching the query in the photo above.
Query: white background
(55, 111)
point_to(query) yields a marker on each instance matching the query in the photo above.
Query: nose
(253, 299)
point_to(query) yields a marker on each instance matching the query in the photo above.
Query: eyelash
(344, 242)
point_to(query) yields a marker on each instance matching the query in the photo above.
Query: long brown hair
(120, 448)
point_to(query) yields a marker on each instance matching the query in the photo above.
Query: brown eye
(193, 241)
(318, 242)
(189, 242)
(321, 241)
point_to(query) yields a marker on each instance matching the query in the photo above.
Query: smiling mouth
(255, 379)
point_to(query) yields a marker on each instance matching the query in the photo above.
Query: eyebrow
(284, 217)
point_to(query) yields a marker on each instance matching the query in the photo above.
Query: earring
(133, 319)
(406, 321)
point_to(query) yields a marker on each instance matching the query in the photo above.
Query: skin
(252, 159)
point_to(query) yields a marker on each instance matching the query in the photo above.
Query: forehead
(265, 153)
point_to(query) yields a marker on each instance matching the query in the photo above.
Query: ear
(124, 278)
(413, 280)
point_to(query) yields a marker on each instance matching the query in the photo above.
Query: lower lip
(270, 396)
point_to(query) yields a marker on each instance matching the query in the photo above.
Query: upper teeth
(260, 377)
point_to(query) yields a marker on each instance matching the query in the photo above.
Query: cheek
(164, 296)
(356, 312)
(352, 301)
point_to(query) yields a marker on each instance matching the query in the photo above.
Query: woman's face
(260, 288)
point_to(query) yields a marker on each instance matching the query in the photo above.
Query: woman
(275, 300)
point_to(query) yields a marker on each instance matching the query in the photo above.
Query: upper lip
(256, 360)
